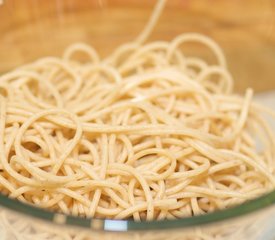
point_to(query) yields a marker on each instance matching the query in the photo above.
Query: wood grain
(245, 29)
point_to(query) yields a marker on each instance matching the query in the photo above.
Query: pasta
(146, 133)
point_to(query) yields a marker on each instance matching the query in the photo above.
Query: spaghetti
(146, 133)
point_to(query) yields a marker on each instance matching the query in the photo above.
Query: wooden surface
(244, 28)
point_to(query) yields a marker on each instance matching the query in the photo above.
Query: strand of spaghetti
(228, 81)
(11, 139)
(87, 49)
(3, 158)
(265, 172)
(107, 186)
(168, 203)
(102, 173)
(131, 197)
(142, 181)
(171, 163)
(152, 22)
(196, 37)
(28, 76)
(34, 118)
(65, 67)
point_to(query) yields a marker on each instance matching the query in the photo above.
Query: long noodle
(147, 133)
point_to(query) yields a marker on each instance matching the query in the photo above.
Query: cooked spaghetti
(146, 133)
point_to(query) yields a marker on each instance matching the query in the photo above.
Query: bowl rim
(109, 225)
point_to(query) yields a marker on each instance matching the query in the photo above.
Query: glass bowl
(244, 29)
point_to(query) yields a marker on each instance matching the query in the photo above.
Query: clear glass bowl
(245, 30)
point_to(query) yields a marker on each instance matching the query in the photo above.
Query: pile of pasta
(147, 133)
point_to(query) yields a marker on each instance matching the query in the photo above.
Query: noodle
(147, 133)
